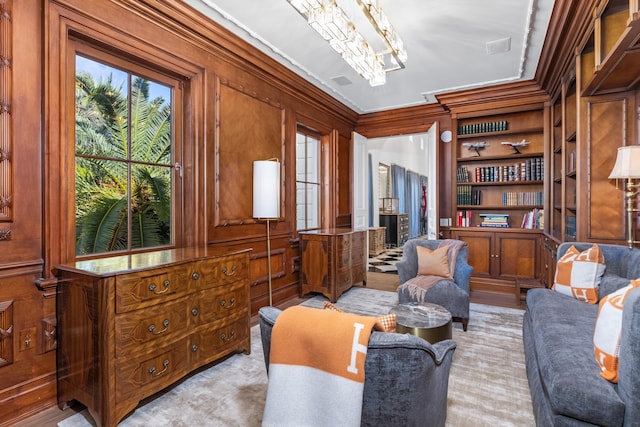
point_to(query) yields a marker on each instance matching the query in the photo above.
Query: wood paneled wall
(238, 106)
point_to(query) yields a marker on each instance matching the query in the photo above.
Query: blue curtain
(398, 190)
(413, 203)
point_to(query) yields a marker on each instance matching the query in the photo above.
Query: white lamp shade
(627, 163)
(266, 189)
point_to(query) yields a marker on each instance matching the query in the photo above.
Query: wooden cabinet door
(515, 255)
(480, 250)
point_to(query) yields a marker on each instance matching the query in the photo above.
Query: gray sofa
(450, 294)
(406, 378)
(566, 386)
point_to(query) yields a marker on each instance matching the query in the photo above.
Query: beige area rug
(487, 385)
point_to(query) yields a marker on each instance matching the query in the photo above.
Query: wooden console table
(131, 325)
(333, 261)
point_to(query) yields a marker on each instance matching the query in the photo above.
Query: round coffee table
(430, 322)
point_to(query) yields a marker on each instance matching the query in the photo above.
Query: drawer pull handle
(224, 337)
(165, 323)
(153, 287)
(152, 370)
(194, 311)
(195, 275)
(233, 270)
(223, 303)
(194, 348)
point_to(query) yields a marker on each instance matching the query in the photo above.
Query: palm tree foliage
(123, 166)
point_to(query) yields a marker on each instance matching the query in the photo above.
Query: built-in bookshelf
(499, 169)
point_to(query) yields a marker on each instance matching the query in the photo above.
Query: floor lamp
(266, 200)
(628, 167)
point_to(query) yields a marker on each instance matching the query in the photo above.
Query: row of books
(467, 195)
(517, 198)
(483, 127)
(496, 220)
(533, 219)
(463, 218)
(462, 174)
(527, 170)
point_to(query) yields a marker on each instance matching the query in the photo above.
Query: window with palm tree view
(123, 160)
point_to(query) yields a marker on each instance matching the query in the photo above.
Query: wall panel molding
(6, 119)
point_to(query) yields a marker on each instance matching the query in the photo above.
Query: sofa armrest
(629, 362)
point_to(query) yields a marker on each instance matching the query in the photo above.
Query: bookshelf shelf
(502, 158)
(500, 183)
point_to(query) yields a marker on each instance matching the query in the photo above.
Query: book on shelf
(527, 170)
(463, 218)
(467, 195)
(533, 220)
(462, 174)
(496, 220)
(526, 198)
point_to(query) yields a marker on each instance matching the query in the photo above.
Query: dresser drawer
(212, 343)
(153, 326)
(211, 306)
(145, 375)
(147, 288)
(223, 270)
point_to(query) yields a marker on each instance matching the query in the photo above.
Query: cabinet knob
(194, 347)
(195, 275)
(194, 311)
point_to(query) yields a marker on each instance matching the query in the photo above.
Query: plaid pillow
(384, 322)
(578, 274)
(606, 337)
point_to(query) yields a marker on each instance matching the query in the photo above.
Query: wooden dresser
(129, 326)
(333, 260)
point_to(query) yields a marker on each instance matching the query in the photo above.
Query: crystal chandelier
(330, 21)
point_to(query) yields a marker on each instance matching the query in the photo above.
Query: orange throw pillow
(578, 274)
(434, 262)
(606, 336)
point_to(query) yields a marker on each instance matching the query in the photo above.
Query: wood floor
(381, 281)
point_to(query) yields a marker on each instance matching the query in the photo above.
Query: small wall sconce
(266, 200)
(628, 167)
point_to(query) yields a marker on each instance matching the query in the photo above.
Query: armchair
(406, 378)
(450, 294)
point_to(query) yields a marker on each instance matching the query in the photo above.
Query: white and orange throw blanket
(316, 368)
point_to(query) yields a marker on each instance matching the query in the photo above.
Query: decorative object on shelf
(516, 145)
(333, 24)
(497, 126)
(627, 167)
(476, 146)
(266, 200)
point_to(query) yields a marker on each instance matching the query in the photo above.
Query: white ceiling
(446, 43)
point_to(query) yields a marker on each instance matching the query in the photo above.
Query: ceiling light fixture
(333, 24)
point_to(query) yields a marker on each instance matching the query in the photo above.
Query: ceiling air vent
(499, 46)
(341, 80)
